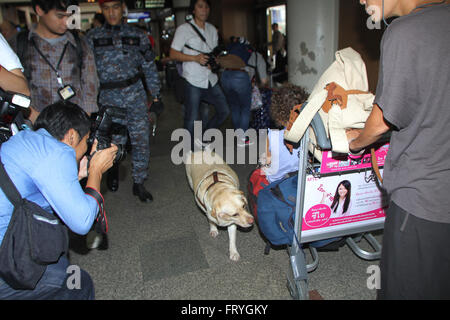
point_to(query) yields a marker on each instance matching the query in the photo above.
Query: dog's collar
(216, 180)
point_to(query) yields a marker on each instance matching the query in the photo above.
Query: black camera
(212, 63)
(215, 67)
(11, 119)
(107, 124)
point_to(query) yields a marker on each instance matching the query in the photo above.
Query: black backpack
(23, 45)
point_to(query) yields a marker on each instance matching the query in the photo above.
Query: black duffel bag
(34, 239)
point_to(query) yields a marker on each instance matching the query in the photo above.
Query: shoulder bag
(34, 239)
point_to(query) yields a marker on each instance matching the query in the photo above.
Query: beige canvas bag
(348, 72)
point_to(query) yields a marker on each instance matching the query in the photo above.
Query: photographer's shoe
(104, 245)
(140, 191)
(97, 241)
(112, 179)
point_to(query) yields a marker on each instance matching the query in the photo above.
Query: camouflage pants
(134, 100)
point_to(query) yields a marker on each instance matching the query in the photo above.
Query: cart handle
(323, 142)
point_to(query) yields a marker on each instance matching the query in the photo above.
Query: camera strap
(89, 157)
(201, 37)
(9, 188)
(101, 217)
(189, 47)
(97, 196)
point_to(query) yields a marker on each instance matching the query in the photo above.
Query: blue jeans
(53, 286)
(204, 112)
(212, 95)
(238, 90)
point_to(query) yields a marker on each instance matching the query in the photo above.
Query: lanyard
(200, 35)
(58, 77)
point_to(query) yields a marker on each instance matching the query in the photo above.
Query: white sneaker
(244, 142)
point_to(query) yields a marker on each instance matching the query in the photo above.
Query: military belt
(121, 84)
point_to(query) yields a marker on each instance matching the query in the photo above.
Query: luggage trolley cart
(353, 232)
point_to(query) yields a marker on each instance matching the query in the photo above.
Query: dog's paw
(234, 256)
(214, 233)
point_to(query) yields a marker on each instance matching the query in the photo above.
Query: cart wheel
(297, 288)
(302, 289)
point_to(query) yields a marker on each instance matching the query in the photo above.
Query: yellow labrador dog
(216, 191)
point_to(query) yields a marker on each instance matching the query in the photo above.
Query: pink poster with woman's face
(341, 201)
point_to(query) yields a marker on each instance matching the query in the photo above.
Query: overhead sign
(138, 15)
(149, 4)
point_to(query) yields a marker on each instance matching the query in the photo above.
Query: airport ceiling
(224, 1)
(169, 3)
(14, 1)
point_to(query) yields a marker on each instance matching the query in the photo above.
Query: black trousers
(415, 259)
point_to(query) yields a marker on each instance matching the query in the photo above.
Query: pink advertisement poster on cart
(341, 201)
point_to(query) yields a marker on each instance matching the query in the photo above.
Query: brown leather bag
(337, 94)
(231, 61)
(375, 167)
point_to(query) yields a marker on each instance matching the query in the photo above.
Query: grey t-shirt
(256, 63)
(414, 93)
(54, 41)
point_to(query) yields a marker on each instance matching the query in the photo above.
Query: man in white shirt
(201, 83)
(11, 76)
(11, 73)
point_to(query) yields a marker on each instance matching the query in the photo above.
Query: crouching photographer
(45, 167)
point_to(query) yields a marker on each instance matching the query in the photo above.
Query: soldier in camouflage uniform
(123, 55)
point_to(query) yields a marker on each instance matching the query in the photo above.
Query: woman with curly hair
(279, 160)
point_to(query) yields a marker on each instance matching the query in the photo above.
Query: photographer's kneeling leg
(60, 281)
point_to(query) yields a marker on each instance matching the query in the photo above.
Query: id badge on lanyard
(65, 92)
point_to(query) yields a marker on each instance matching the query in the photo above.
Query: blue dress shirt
(44, 170)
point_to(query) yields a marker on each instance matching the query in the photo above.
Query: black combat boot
(140, 191)
(113, 178)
